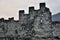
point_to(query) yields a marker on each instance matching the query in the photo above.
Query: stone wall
(37, 25)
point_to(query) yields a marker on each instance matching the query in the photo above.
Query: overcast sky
(9, 8)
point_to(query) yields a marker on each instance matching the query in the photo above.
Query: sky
(10, 8)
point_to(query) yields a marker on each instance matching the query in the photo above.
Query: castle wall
(34, 26)
(42, 22)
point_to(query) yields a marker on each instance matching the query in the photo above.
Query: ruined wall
(42, 22)
(37, 25)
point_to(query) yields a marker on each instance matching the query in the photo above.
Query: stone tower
(42, 26)
(37, 23)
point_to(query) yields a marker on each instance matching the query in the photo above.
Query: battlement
(36, 24)
(32, 12)
(1, 19)
(21, 12)
(42, 5)
(11, 19)
(31, 9)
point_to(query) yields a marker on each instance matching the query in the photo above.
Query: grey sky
(9, 8)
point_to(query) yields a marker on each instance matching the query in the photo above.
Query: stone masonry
(36, 25)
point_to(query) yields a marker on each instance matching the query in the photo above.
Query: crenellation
(23, 18)
(2, 19)
(21, 11)
(36, 25)
(42, 5)
(11, 18)
(31, 8)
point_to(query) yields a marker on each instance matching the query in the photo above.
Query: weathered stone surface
(37, 25)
